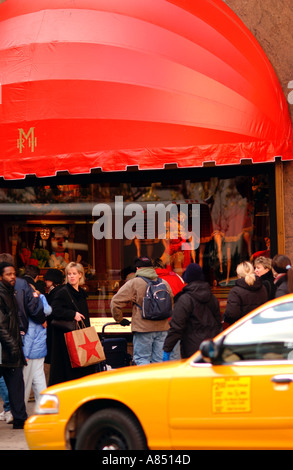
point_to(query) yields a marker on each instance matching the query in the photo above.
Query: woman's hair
(282, 264)
(246, 271)
(265, 262)
(79, 268)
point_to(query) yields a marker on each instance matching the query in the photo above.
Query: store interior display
(50, 226)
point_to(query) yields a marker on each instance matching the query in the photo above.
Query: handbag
(64, 325)
(84, 346)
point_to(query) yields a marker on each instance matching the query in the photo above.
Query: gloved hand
(125, 322)
(166, 356)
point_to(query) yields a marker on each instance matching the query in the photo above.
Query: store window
(52, 225)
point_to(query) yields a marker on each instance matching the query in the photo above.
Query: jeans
(148, 347)
(4, 394)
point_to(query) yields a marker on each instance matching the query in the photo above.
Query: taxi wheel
(111, 429)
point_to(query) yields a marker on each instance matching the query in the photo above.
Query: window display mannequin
(232, 217)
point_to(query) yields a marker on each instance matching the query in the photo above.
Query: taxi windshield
(266, 336)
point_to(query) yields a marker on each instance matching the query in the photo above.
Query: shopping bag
(84, 347)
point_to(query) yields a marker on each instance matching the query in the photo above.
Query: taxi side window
(267, 336)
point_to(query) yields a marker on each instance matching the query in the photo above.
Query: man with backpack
(151, 299)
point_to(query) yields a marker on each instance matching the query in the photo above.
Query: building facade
(270, 23)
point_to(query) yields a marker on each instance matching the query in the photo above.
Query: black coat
(281, 286)
(10, 339)
(243, 298)
(66, 302)
(268, 282)
(50, 297)
(196, 317)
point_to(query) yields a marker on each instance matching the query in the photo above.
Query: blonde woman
(247, 294)
(69, 304)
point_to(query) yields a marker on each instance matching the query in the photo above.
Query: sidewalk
(13, 439)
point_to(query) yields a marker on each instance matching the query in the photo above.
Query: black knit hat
(143, 262)
(193, 273)
(54, 275)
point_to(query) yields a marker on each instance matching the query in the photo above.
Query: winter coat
(281, 286)
(29, 306)
(35, 340)
(133, 291)
(50, 296)
(174, 280)
(243, 298)
(268, 282)
(66, 302)
(196, 317)
(10, 339)
(52, 292)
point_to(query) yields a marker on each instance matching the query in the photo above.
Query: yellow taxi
(235, 393)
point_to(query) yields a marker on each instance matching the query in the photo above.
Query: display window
(105, 224)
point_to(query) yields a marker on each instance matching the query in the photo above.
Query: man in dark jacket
(29, 305)
(196, 314)
(12, 359)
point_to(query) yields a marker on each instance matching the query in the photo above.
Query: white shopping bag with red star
(84, 347)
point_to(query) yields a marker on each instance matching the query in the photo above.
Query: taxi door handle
(282, 379)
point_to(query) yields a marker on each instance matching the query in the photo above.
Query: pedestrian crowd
(32, 332)
(34, 316)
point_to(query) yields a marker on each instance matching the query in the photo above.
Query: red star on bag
(89, 347)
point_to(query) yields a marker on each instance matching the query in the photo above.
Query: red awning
(107, 84)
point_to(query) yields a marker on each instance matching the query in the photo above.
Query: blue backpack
(157, 302)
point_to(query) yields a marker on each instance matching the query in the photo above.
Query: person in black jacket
(12, 360)
(196, 314)
(54, 281)
(29, 305)
(69, 303)
(283, 273)
(263, 269)
(248, 294)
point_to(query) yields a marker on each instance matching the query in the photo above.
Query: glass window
(267, 336)
(50, 225)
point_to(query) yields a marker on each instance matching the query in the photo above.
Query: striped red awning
(108, 84)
